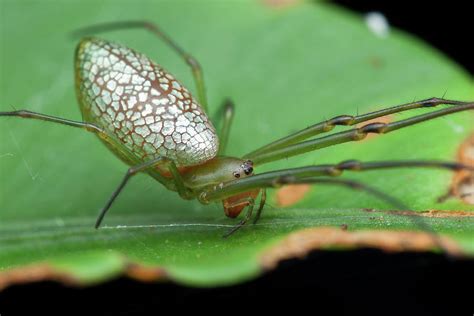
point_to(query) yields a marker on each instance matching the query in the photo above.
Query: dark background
(363, 281)
(446, 25)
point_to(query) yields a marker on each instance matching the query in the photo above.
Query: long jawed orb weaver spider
(153, 123)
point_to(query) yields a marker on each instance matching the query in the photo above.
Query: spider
(152, 122)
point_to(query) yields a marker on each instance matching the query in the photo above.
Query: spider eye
(248, 170)
(236, 174)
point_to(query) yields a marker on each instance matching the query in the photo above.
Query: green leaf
(286, 68)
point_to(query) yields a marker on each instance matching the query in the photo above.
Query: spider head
(216, 172)
(243, 170)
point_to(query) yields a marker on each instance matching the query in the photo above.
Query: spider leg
(178, 180)
(350, 184)
(355, 185)
(90, 127)
(348, 120)
(277, 178)
(250, 202)
(153, 28)
(355, 134)
(263, 199)
(226, 115)
(140, 168)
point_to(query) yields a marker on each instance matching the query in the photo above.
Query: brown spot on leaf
(145, 273)
(376, 62)
(462, 183)
(436, 213)
(291, 194)
(34, 273)
(44, 272)
(281, 3)
(300, 243)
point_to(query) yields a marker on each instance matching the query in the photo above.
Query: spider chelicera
(153, 123)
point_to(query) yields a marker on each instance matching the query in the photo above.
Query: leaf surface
(285, 68)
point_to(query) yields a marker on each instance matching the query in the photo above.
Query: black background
(364, 281)
(446, 25)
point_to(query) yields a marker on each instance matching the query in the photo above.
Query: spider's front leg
(347, 120)
(176, 181)
(313, 174)
(277, 178)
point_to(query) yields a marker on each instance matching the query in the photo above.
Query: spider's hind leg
(153, 28)
(224, 117)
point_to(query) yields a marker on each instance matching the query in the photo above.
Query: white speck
(139, 122)
(458, 129)
(168, 128)
(135, 116)
(111, 85)
(59, 222)
(151, 138)
(125, 78)
(378, 24)
(95, 89)
(131, 102)
(142, 96)
(106, 97)
(136, 79)
(115, 105)
(6, 155)
(156, 127)
(120, 116)
(161, 101)
(119, 90)
(143, 130)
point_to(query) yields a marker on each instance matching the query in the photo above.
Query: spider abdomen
(141, 104)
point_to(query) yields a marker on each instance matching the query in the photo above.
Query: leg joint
(282, 180)
(93, 128)
(432, 102)
(377, 128)
(229, 108)
(342, 120)
(349, 165)
(358, 134)
(191, 61)
(20, 113)
(131, 171)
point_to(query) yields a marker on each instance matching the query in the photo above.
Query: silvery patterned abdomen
(141, 104)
